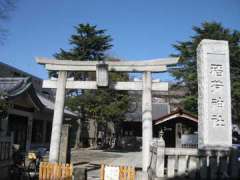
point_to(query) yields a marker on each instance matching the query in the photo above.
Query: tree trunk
(95, 133)
(78, 135)
(117, 129)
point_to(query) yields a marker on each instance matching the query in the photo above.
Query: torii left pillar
(146, 119)
(58, 117)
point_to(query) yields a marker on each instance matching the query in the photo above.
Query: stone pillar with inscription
(214, 95)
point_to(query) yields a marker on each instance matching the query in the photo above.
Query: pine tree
(103, 105)
(89, 43)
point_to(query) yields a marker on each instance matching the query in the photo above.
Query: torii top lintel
(155, 65)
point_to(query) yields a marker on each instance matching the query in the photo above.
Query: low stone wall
(193, 163)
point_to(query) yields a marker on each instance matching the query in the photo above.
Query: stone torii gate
(102, 69)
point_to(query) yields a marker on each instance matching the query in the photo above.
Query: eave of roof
(15, 87)
(176, 114)
(14, 69)
(49, 105)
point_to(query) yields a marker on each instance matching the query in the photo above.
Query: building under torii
(102, 69)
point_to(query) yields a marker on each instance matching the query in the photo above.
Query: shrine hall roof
(178, 113)
(13, 87)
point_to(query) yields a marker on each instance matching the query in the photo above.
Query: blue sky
(141, 29)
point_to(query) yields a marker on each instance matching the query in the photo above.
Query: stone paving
(92, 159)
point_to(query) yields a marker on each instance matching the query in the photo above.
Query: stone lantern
(161, 141)
(102, 74)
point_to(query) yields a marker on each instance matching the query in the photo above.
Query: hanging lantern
(102, 74)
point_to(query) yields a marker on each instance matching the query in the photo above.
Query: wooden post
(11, 145)
(4, 126)
(44, 131)
(58, 117)
(29, 133)
(146, 119)
(78, 134)
(102, 172)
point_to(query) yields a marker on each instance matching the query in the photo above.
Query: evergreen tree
(89, 43)
(103, 105)
(186, 73)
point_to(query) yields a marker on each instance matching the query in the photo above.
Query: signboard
(111, 173)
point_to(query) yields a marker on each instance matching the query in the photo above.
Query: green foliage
(90, 43)
(3, 102)
(102, 105)
(3, 105)
(186, 74)
(190, 103)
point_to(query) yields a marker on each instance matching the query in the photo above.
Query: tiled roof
(13, 87)
(49, 104)
(158, 110)
(16, 86)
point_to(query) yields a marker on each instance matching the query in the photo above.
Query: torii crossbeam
(146, 86)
